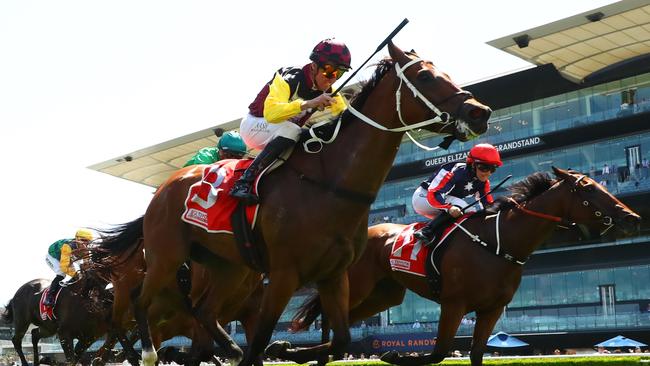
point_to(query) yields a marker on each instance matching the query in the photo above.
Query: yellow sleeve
(338, 106)
(65, 262)
(277, 107)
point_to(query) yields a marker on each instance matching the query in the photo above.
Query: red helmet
(484, 153)
(331, 51)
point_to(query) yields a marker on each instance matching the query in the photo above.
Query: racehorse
(81, 312)
(314, 211)
(190, 307)
(473, 278)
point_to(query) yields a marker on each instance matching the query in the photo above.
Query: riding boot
(54, 288)
(427, 235)
(243, 188)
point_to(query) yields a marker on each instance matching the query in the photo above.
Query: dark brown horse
(473, 278)
(191, 306)
(314, 212)
(82, 313)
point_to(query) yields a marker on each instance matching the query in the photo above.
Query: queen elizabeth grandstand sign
(504, 147)
(510, 148)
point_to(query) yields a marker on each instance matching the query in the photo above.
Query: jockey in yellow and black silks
(276, 116)
(60, 260)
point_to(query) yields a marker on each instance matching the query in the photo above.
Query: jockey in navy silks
(441, 196)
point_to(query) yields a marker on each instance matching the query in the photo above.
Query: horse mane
(359, 99)
(524, 190)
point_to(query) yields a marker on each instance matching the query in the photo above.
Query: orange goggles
(331, 72)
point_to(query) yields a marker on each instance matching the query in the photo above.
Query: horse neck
(368, 152)
(535, 230)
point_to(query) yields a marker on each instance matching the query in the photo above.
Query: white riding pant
(257, 132)
(54, 264)
(422, 206)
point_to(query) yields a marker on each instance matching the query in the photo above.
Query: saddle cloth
(208, 204)
(47, 312)
(410, 256)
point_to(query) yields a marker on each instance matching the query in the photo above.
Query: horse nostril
(476, 113)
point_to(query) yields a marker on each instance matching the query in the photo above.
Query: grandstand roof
(583, 44)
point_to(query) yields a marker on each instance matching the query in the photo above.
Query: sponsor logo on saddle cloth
(408, 254)
(208, 204)
(47, 312)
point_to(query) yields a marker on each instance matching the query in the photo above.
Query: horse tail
(116, 241)
(307, 313)
(8, 314)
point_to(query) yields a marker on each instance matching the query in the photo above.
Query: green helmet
(232, 142)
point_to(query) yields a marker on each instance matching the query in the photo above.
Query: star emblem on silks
(469, 186)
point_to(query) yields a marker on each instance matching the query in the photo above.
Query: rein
(534, 213)
(439, 116)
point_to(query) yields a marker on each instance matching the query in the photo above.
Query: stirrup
(424, 239)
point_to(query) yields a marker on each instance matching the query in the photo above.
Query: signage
(503, 147)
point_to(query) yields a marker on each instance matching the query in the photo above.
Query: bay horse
(81, 312)
(473, 277)
(191, 306)
(314, 210)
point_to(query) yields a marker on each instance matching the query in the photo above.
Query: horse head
(433, 93)
(593, 205)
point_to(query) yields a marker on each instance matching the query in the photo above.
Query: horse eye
(425, 75)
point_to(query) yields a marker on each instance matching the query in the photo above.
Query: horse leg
(450, 317)
(218, 334)
(17, 340)
(485, 322)
(80, 348)
(66, 344)
(282, 285)
(127, 347)
(383, 295)
(103, 353)
(161, 272)
(36, 337)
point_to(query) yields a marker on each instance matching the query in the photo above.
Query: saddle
(47, 312)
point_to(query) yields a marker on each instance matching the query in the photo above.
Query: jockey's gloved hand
(455, 211)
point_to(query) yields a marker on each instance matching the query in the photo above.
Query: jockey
(441, 196)
(59, 258)
(276, 116)
(230, 146)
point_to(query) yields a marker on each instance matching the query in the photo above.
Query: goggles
(331, 72)
(486, 168)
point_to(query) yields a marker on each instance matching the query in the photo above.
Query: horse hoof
(277, 349)
(149, 358)
(390, 357)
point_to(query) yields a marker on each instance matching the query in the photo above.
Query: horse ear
(560, 173)
(397, 54)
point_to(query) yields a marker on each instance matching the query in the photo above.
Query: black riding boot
(54, 288)
(243, 188)
(427, 235)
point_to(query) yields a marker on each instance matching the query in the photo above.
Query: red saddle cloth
(208, 204)
(47, 312)
(409, 255)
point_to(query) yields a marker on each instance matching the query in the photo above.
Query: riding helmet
(331, 51)
(232, 142)
(484, 153)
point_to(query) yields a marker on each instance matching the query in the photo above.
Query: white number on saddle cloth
(408, 238)
(210, 187)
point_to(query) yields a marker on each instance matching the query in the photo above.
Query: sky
(82, 82)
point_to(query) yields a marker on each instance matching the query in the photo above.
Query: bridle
(438, 115)
(607, 221)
